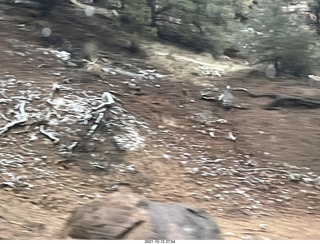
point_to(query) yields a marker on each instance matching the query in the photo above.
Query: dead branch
(266, 169)
(11, 124)
(109, 14)
(96, 124)
(50, 135)
(252, 94)
(4, 117)
(73, 145)
(22, 118)
(5, 100)
(107, 101)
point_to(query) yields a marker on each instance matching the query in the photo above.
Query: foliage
(134, 46)
(90, 51)
(241, 9)
(276, 35)
(201, 24)
(136, 16)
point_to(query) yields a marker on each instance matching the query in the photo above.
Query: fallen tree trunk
(284, 100)
(293, 101)
(287, 101)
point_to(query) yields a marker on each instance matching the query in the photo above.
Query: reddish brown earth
(244, 184)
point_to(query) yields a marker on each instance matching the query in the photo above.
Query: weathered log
(284, 100)
(279, 100)
(294, 101)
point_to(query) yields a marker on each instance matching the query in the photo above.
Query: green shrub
(275, 35)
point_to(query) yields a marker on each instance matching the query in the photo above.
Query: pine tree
(136, 15)
(276, 35)
(205, 24)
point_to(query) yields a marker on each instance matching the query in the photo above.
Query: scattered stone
(207, 197)
(166, 156)
(131, 168)
(263, 226)
(231, 136)
(245, 237)
(222, 121)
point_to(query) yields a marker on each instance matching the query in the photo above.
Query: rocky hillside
(84, 113)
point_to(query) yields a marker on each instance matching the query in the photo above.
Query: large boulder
(130, 217)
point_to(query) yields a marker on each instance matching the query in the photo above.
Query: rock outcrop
(130, 217)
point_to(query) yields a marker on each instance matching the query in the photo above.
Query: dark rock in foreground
(129, 217)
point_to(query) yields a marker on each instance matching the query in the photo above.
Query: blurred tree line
(279, 32)
(284, 33)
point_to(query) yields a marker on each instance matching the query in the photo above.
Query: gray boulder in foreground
(130, 217)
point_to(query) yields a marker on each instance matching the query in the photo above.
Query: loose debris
(69, 117)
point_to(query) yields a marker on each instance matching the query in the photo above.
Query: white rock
(270, 71)
(263, 226)
(231, 136)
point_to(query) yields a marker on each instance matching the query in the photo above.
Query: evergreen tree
(241, 9)
(136, 15)
(278, 36)
(205, 25)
